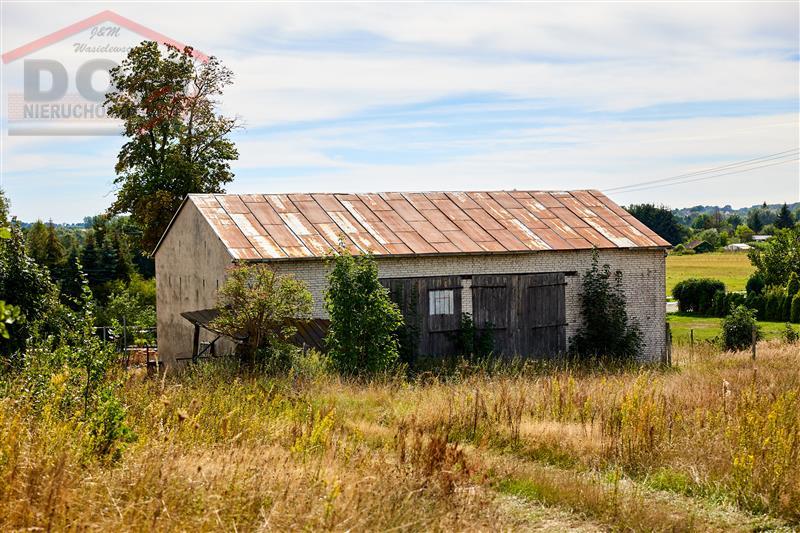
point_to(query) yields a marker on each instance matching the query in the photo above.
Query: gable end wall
(190, 266)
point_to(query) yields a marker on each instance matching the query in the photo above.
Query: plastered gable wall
(643, 273)
(190, 266)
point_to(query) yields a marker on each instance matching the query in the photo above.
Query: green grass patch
(606, 502)
(732, 269)
(707, 327)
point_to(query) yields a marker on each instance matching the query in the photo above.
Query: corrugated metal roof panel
(280, 226)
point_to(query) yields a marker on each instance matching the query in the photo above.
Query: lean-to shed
(511, 259)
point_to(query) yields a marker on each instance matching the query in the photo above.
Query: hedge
(696, 295)
(795, 315)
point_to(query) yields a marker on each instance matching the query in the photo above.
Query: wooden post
(754, 343)
(668, 347)
(691, 345)
(196, 342)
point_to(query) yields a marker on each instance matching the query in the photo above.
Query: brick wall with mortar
(643, 278)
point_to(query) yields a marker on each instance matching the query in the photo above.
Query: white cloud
(309, 62)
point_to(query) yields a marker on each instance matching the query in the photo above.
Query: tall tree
(778, 257)
(177, 141)
(661, 220)
(785, 219)
(754, 220)
(44, 246)
(26, 285)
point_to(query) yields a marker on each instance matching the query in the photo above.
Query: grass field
(706, 328)
(733, 269)
(711, 445)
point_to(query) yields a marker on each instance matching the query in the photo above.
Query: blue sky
(402, 96)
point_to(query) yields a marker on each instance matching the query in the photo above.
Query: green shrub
(793, 286)
(737, 329)
(733, 299)
(756, 302)
(695, 295)
(606, 331)
(789, 334)
(362, 337)
(795, 310)
(261, 307)
(755, 283)
(786, 308)
(718, 307)
(25, 285)
(773, 305)
(108, 434)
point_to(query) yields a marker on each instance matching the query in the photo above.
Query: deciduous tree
(661, 220)
(177, 141)
(261, 306)
(778, 257)
(362, 338)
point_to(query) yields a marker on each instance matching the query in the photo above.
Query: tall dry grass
(640, 449)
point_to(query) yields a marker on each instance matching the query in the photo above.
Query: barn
(511, 259)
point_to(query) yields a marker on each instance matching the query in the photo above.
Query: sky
(451, 96)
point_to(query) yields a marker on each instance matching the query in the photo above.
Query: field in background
(713, 444)
(733, 269)
(706, 328)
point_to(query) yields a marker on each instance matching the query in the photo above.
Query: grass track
(538, 449)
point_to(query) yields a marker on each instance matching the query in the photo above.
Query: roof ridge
(393, 192)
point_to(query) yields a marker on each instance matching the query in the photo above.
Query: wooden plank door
(545, 314)
(442, 307)
(431, 308)
(491, 296)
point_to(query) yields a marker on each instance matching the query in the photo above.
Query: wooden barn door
(525, 312)
(545, 314)
(491, 309)
(443, 311)
(431, 309)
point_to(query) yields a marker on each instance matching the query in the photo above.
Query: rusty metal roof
(293, 226)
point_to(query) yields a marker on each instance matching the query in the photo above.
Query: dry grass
(712, 444)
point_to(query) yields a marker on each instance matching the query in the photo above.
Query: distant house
(511, 259)
(699, 246)
(738, 247)
(761, 238)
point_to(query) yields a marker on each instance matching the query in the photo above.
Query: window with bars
(440, 302)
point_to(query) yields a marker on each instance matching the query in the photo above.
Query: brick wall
(643, 280)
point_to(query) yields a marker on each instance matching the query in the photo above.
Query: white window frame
(441, 302)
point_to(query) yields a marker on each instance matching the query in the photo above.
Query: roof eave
(452, 254)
